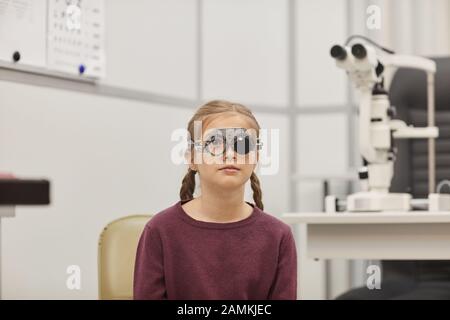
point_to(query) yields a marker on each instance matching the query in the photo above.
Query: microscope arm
(402, 131)
(366, 146)
(410, 62)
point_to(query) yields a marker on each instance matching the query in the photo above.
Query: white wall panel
(151, 46)
(320, 25)
(245, 51)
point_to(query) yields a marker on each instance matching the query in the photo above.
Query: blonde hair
(207, 111)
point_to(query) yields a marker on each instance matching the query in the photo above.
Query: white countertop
(367, 217)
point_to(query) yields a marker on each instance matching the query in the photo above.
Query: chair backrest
(116, 256)
(408, 94)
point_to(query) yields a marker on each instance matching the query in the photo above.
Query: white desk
(388, 235)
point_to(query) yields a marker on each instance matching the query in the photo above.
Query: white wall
(151, 46)
(245, 51)
(408, 26)
(320, 24)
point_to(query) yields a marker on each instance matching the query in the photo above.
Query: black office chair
(421, 279)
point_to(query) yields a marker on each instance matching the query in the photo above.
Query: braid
(257, 193)
(188, 185)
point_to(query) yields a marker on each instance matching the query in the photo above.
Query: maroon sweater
(179, 257)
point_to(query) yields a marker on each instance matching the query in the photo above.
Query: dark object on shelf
(16, 56)
(24, 192)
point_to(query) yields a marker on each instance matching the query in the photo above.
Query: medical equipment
(218, 140)
(366, 65)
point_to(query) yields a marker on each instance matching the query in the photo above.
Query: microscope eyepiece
(338, 52)
(359, 51)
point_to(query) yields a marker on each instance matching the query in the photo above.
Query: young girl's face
(213, 169)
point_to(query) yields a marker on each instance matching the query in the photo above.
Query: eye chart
(76, 37)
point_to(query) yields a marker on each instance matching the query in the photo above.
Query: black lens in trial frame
(219, 140)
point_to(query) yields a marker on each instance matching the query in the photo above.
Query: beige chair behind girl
(116, 256)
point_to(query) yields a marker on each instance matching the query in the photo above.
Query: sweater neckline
(216, 225)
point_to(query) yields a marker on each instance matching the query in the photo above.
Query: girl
(216, 245)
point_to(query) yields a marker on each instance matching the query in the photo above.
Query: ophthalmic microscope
(366, 65)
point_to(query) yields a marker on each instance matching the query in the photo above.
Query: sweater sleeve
(148, 270)
(284, 286)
